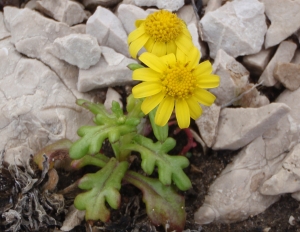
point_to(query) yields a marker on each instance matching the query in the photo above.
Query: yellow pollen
(178, 81)
(163, 26)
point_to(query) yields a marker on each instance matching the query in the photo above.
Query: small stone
(213, 5)
(128, 14)
(284, 53)
(195, 36)
(257, 63)
(238, 27)
(285, 20)
(287, 179)
(69, 12)
(171, 5)
(233, 77)
(77, 49)
(187, 14)
(108, 30)
(239, 126)
(112, 95)
(207, 123)
(296, 58)
(288, 74)
(109, 71)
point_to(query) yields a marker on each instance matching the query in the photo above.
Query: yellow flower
(178, 81)
(160, 33)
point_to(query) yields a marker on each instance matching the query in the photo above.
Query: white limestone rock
(112, 95)
(81, 50)
(187, 14)
(109, 71)
(4, 33)
(233, 77)
(296, 58)
(69, 12)
(31, 33)
(257, 63)
(171, 5)
(192, 27)
(285, 20)
(108, 30)
(288, 74)
(207, 123)
(284, 53)
(238, 27)
(287, 179)
(128, 14)
(37, 108)
(239, 126)
(234, 196)
(213, 5)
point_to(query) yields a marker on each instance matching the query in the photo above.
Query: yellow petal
(145, 74)
(171, 47)
(153, 62)
(204, 97)
(194, 58)
(138, 22)
(137, 44)
(149, 45)
(182, 113)
(159, 49)
(151, 102)
(164, 111)
(146, 89)
(168, 59)
(204, 68)
(208, 81)
(135, 34)
(195, 108)
(181, 57)
(184, 43)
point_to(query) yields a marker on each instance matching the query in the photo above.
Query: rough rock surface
(4, 33)
(285, 20)
(69, 12)
(238, 27)
(37, 108)
(29, 36)
(284, 53)
(94, 3)
(128, 14)
(77, 49)
(234, 195)
(207, 124)
(110, 70)
(288, 74)
(172, 5)
(108, 30)
(239, 126)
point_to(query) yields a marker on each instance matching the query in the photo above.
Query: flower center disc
(163, 26)
(179, 82)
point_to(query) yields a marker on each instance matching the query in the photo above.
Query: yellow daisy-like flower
(178, 81)
(160, 33)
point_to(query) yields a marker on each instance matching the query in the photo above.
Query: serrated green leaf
(169, 167)
(102, 186)
(98, 160)
(163, 204)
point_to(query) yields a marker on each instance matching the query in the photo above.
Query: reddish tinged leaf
(163, 205)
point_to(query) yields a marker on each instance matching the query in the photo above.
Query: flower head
(160, 33)
(175, 81)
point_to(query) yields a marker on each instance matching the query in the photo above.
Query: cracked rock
(111, 70)
(108, 30)
(69, 12)
(81, 50)
(239, 126)
(288, 74)
(285, 20)
(284, 53)
(238, 27)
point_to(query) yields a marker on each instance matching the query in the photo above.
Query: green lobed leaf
(98, 160)
(102, 186)
(163, 205)
(169, 167)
